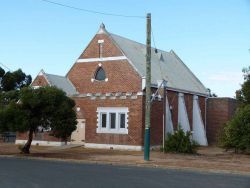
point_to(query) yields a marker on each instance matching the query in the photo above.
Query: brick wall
(135, 119)
(219, 111)
(189, 106)
(40, 81)
(39, 136)
(109, 49)
(156, 123)
(121, 75)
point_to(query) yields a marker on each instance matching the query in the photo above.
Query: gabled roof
(164, 65)
(60, 82)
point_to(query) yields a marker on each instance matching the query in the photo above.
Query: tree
(2, 72)
(46, 107)
(10, 84)
(8, 97)
(243, 94)
(13, 80)
(236, 133)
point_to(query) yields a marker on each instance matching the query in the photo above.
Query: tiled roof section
(164, 65)
(61, 82)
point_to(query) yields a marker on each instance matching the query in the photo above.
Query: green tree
(243, 95)
(236, 133)
(46, 107)
(2, 72)
(180, 142)
(10, 84)
(13, 80)
(8, 97)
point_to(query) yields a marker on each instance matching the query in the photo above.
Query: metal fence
(9, 137)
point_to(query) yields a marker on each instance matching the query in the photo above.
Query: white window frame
(108, 111)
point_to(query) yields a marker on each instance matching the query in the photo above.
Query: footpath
(208, 159)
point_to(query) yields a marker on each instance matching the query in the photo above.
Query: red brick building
(107, 82)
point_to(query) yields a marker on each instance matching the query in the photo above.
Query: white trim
(183, 120)
(113, 146)
(101, 59)
(169, 128)
(143, 83)
(100, 41)
(42, 143)
(199, 132)
(35, 87)
(140, 93)
(108, 111)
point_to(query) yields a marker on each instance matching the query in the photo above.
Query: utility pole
(148, 91)
(164, 113)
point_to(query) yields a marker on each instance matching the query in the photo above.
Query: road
(27, 173)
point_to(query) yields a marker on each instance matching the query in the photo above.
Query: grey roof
(61, 82)
(164, 65)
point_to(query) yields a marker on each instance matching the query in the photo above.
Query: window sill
(112, 131)
(94, 80)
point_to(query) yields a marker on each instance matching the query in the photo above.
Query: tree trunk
(26, 147)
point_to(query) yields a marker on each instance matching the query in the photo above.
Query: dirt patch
(207, 159)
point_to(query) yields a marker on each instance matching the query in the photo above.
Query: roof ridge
(56, 75)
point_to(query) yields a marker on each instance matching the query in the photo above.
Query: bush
(180, 142)
(236, 133)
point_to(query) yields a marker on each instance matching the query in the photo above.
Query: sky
(211, 37)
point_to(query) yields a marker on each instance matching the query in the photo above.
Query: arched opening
(100, 74)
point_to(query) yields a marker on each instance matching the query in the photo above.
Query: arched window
(100, 74)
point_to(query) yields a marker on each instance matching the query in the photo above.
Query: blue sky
(211, 37)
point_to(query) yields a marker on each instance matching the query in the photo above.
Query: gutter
(182, 91)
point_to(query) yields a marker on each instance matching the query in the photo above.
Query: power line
(93, 11)
(5, 66)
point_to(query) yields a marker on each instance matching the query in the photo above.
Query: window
(104, 120)
(122, 120)
(112, 120)
(100, 74)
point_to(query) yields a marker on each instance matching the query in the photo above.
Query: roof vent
(161, 57)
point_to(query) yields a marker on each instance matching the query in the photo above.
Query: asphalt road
(26, 173)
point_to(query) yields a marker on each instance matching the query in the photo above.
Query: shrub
(236, 133)
(180, 142)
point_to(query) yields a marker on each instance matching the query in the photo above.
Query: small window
(100, 74)
(112, 120)
(122, 120)
(104, 120)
